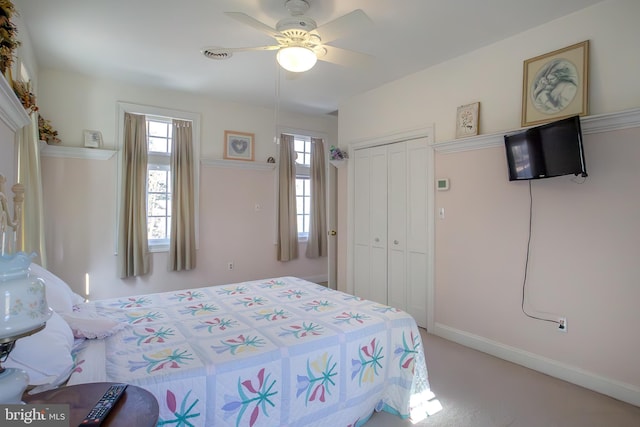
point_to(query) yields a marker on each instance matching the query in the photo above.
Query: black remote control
(99, 412)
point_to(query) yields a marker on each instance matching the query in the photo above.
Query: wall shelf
(47, 150)
(339, 163)
(590, 124)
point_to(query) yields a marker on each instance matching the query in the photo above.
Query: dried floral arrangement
(8, 32)
(23, 92)
(47, 132)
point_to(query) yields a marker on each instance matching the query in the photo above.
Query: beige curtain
(317, 242)
(133, 248)
(29, 175)
(182, 243)
(287, 215)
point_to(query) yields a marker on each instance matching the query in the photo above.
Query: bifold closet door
(397, 224)
(407, 227)
(390, 225)
(416, 230)
(370, 224)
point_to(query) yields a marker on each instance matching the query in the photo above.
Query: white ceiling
(158, 42)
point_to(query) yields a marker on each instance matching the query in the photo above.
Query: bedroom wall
(585, 245)
(80, 194)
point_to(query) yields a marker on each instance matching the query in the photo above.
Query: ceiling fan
(300, 42)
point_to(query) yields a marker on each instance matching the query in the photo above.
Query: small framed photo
(555, 85)
(238, 145)
(92, 138)
(467, 120)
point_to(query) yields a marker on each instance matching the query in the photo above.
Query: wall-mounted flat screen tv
(545, 151)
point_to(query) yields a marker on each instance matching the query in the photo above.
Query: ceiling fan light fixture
(296, 59)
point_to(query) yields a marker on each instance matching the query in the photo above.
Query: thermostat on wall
(442, 184)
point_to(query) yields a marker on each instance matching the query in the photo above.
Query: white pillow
(46, 355)
(60, 297)
(86, 323)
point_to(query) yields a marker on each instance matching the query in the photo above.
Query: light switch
(441, 213)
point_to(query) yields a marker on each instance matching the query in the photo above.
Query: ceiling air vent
(217, 53)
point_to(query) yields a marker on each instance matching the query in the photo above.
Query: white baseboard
(616, 389)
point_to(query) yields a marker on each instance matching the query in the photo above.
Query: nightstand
(137, 407)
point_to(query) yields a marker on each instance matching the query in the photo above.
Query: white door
(378, 217)
(397, 224)
(332, 226)
(361, 227)
(370, 224)
(417, 229)
(391, 225)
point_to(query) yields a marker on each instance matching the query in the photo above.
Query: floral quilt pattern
(280, 351)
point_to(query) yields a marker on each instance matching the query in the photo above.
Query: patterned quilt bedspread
(275, 352)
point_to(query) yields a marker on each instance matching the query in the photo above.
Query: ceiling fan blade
(246, 49)
(254, 23)
(344, 25)
(345, 57)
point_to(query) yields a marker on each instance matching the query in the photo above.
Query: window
(159, 135)
(302, 147)
(159, 181)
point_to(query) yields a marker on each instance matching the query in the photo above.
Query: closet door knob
(395, 242)
(376, 240)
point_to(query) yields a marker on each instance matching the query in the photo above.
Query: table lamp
(23, 311)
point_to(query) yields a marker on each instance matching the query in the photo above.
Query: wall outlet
(230, 265)
(562, 324)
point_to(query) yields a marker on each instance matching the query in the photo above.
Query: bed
(274, 352)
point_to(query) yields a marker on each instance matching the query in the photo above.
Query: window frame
(303, 172)
(303, 133)
(159, 113)
(159, 160)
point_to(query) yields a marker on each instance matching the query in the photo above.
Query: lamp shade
(296, 58)
(23, 304)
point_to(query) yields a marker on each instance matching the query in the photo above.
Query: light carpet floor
(479, 390)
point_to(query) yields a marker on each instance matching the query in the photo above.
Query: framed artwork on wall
(92, 138)
(555, 85)
(467, 120)
(238, 145)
